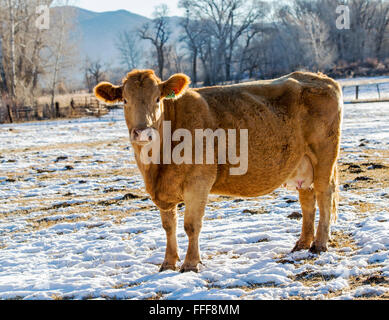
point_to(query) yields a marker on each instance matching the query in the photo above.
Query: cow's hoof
(186, 267)
(317, 248)
(301, 245)
(166, 266)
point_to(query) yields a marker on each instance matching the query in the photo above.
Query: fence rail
(365, 82)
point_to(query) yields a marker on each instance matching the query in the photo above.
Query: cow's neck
(151, 172)
(148, 171)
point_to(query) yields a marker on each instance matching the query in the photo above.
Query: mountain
(98, 32)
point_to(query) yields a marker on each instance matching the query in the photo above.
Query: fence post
(57, 115)
(35, 108)
(379, 92)
(11, 120)
(71, 109)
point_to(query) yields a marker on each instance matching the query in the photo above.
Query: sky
(142, 7)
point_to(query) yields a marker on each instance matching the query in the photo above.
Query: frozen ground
(75, 222)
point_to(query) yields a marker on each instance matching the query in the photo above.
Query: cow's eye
(158, 100)
(125, 101)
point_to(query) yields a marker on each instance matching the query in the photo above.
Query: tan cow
(294, 126)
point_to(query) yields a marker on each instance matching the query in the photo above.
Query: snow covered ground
(75, 222)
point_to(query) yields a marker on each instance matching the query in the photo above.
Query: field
(76, 223)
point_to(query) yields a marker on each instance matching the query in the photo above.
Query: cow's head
(142, 93)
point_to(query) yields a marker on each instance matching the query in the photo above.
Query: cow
(294, 125)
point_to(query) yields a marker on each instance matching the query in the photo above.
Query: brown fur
(296, 116)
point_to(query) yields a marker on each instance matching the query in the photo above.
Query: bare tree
(215, 18)
(192, 38)
(380, 26)
(60, 46)
(127, 44)
(249, 53)
(158, 33)
(174, 59)
(12, 24)
(94, 73)
(3, 80)
(243, 15)
(18, 38)
(28, 52)
(226, 21)
(314, 35)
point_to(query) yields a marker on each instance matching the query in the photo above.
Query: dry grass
(365, 207)
(368, 176)
(64, 99)
(341, 240)
(83, 213)
(157, 296)
(374, 279)
(248, 289)
(362, 177)
(44, 223)
(65, 146)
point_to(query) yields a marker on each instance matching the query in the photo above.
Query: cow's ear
(175, 86)
(109, 93)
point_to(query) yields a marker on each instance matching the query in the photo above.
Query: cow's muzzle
(143, 136)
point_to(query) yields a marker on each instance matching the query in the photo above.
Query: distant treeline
(231, 40)
(33, 52)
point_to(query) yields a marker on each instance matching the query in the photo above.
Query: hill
(98, 32)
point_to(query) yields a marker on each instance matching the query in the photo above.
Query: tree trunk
(57, 65)
(228, 59)
(12, 46)
(36, 65)
(194, 67)
(11, 120)
(3, 79)
(228, 69)
(161, 61)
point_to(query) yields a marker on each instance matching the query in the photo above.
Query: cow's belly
(244, 187)
(247, 186)
(271, 163)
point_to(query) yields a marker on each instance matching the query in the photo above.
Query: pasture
(76, 223)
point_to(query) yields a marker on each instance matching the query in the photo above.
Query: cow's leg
(308, 207)
(194, 212)
(169, 223)
(326, 194)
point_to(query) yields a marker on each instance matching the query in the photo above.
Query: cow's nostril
(136, 133)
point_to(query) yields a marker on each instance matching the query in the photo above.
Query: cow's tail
(335, 196)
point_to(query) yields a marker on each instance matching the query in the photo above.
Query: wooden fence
(74, 107)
